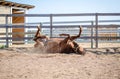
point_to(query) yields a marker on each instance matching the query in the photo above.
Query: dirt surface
(29, 63)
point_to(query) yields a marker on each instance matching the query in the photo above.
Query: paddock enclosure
(99, 29)
(100, 38)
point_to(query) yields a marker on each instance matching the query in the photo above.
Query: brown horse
(58, 45)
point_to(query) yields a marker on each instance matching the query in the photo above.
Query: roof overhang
(14, 4)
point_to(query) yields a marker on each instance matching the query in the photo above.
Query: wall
(4, 10)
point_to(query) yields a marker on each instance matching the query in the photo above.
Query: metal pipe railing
(51, 22)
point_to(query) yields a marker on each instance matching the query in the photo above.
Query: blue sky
(72, 6)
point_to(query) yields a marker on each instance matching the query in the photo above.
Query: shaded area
(115, 50)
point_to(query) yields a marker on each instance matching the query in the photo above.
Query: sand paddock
(28, 63)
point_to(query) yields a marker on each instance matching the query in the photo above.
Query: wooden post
(92, 34)
(96, 28)
(51, 25)
(6, 21)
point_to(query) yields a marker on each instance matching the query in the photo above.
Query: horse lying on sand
(58, 45)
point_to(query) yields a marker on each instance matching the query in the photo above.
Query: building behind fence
(7, 7)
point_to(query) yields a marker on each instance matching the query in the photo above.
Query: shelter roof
(14, 4)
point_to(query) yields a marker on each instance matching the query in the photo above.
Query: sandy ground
(28, 63)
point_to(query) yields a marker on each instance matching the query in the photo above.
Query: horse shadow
(99, 51)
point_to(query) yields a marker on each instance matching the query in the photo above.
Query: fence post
(41, 26)
(6, 21)
(92, 34)
(51, 25)
(96, 30)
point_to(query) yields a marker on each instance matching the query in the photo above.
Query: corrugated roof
(14, 4)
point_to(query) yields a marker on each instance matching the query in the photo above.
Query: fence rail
(94, 26)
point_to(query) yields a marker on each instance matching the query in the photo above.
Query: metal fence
(94, 32)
